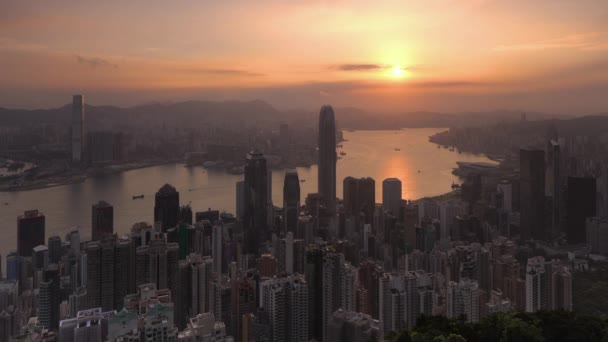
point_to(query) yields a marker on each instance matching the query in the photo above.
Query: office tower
(537, 285)
(291, 200)
(314, 279)
(240, 199)
(581, 204)
(391, 196)
(256, 200)
(447, 213)
(54, 249)
(30, 232)
(157, 263)
(50, 297)
(73, 238)
(285, 302)
(185, 214)
(289, 254)
(349, 326)
(104, 147)
(359, 198)
(327, 157)
(532, 194)
(78, 129)
(338, 278)
(166, 207)
(597, 234)
(506, 189)
(463, 299)
(102, 221)
(216, 253)
(100, 274)
(554, 185)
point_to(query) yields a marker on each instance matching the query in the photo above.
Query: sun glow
(397, 72)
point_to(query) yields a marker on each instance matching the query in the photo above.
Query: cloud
(222, 71)
(358, 67)
(583, 41)
(95, 62)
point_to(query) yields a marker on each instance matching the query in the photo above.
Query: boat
(451, 149)
(138, 197)
(397, 149)
(342, 153)
(418, 171)
(302, 180)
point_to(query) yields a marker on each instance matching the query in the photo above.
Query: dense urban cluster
(328, 269)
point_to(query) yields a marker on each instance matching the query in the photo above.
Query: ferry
(397, 149)
(342, 153)
(138, 197)
(302, 180)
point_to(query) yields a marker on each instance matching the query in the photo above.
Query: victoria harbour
(423, 168)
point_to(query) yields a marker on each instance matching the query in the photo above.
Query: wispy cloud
(223, 71)
(582, 41)
(358, 67)
(95, 62)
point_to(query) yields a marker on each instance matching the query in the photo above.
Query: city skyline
(450, 56)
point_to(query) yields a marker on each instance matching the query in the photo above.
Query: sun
(398, 72)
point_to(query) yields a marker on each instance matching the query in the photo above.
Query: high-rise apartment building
(291, 201)
(256, 201)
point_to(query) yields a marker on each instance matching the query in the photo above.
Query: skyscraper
(391, 195)
(50, 298)
(216, 250)
(256, 199)
(359, 197)
(30, 232)
(581, 204)
(327, 157)
(102, 221)
(78, 128)
(166, 207)
(240, 199)
(54, 245)
(532, 194)
(291, 200)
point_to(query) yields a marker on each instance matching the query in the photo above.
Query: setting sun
(398, 72)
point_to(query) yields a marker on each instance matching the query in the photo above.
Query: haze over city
(388, 56)
(304, 171)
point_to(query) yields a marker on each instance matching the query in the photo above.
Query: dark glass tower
(102, 218)
(256, 198)
(166, 208)
(30, 232)
(327, 157)
(532, 194)
(581, 204)
(291, 200)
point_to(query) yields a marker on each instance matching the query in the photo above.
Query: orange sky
(455, 55)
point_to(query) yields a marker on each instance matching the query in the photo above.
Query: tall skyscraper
(554, 185)
(240, 200)
(78, 129)
(256, 200)
(327, 157)
(391, 196)
(54, 245)
(216, 250)
(291, 200)
(532, 194)
(360, 197)
(102, 220)
(30, 232)
(581, 204)
(166, 207)
(50, 297)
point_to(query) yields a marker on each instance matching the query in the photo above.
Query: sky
(387, 56)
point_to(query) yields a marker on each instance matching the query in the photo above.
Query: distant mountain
(199, 112)
(184, 112)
